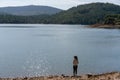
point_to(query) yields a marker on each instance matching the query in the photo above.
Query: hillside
(110, 22)
(29, 10)
(86, 14)
(112, 19)
(83, 14)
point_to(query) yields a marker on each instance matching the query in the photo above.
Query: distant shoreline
(103, 76)
(105, 26)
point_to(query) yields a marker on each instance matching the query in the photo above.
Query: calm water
(35, 50)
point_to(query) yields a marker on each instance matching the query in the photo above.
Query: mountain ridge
(29, 10)
(83, 14)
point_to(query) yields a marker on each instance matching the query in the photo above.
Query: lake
(39, 50)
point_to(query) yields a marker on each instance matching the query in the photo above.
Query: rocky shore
(104, 76)
(106, 26)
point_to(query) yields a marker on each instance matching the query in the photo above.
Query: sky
(62, 4)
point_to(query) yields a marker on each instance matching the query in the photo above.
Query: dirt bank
(104, 76)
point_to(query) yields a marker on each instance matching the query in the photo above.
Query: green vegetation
(112, 19)
(84, 14)
(5, 18)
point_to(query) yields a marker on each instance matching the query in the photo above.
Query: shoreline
(103, 76)
(105, 26)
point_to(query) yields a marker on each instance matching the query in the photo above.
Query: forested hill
(82, 14)
(29, 10)
(86, 14)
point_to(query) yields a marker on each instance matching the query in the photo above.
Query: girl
(75, 65)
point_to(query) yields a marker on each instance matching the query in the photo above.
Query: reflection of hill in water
(17, 27)
(45, 35)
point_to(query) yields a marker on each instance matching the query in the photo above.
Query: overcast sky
(62, 4)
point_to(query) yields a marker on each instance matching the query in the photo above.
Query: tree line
(112, 19)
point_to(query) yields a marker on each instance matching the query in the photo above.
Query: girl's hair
(75, 57)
